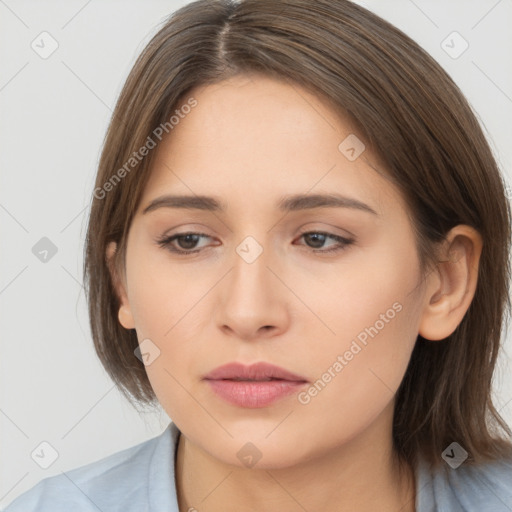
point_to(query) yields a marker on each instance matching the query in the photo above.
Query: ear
(124, 314)
(451, 286)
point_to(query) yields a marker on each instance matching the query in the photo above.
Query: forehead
(257, 139)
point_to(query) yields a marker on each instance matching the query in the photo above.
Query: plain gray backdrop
(54, 113)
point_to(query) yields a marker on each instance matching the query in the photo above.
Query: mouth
(259, 372)
(254, 386)
(238, 379)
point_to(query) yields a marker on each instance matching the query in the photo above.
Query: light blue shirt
(141, 479)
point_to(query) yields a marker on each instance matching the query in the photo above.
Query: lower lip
(254, 394)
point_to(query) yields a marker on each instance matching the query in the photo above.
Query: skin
(249, 141)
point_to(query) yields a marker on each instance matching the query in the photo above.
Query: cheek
(372, 311)
(364, 293)
(169, 308)
(358, 371)
(163, 296)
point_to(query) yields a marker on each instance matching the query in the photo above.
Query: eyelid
(308, 229)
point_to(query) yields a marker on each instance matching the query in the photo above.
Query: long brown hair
(410, 113)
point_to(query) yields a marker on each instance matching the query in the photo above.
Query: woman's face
(342, 313)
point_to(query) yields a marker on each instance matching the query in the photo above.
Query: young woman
(299, 246)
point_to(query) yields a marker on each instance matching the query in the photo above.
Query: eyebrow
(290, 203)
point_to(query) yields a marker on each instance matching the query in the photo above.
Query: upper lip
(257, 371)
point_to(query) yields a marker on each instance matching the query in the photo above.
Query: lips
(255, 386)
(256, 372)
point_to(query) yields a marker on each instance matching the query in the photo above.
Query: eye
(188, 242)
(318, 238)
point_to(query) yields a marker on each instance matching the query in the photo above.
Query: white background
(54, 113)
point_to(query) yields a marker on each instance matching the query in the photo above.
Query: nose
(252, 302)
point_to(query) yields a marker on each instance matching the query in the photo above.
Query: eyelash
(166, 241)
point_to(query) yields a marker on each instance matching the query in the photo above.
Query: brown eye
(318, 239)
(186, 241)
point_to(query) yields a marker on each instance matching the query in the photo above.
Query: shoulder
(485, 486)
(118, 482)
(469, 487)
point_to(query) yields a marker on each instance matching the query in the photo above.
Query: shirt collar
(161, 473)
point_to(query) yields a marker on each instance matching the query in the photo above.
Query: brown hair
(414, 117)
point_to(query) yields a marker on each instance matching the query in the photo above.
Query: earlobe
(450, 288)
(125, 316)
